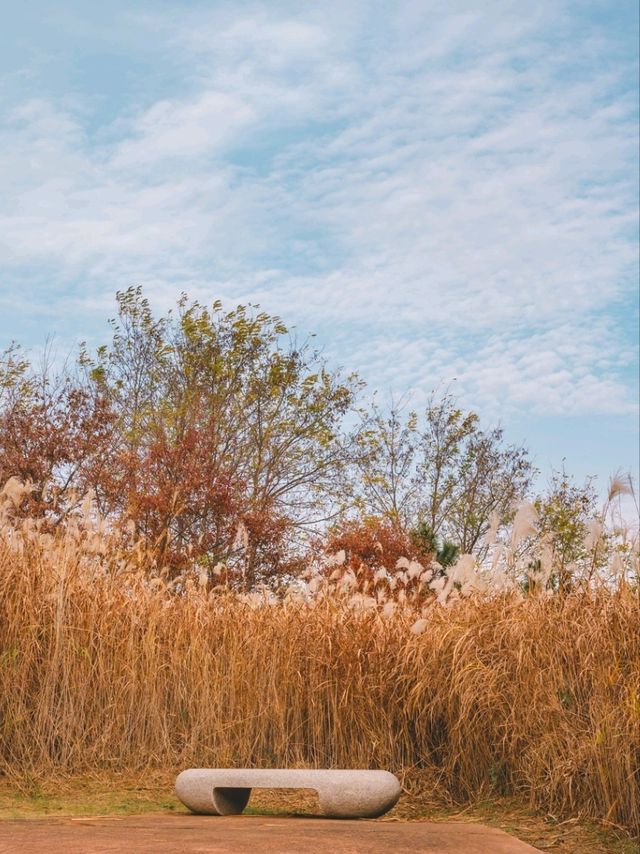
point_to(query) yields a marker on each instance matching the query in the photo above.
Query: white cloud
(172, 129)
(451, 195)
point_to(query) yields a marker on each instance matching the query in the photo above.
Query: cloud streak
(437, 194)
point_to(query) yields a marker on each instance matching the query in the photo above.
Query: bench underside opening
(293, 800)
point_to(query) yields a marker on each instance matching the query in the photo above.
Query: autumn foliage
(185, 429)
(371, 544)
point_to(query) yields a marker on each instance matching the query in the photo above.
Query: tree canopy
(219, 439)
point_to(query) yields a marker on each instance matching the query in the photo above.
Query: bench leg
(230, 801)
(340, 802)
(196, 792)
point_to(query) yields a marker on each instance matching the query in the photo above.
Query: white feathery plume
(494, 524)
(414, 569)
(241, 539)
(619, 485)
(389, 609)
(595, 529)
(380, 574)
(524, 523)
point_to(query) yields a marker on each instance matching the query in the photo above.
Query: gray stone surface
(341, 794)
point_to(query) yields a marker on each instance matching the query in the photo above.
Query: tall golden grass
(103, 668)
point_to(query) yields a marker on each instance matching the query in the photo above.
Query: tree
(424, 539)
(571, 525)
(446, 473)
(385, 462)
(55, 434)
(222, 418)
(488, 479)
(371, 544)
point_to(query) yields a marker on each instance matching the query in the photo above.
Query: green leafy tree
(567, 514)
(426, 542)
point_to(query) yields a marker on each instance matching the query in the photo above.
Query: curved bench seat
(342, 794)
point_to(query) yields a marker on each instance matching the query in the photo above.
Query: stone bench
(342, 794)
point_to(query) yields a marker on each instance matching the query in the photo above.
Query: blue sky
(446, 193)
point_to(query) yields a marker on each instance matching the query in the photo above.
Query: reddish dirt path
(243, 834)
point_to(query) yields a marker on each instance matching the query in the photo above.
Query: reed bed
(538, 697)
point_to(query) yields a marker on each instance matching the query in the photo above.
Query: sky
(446, 194)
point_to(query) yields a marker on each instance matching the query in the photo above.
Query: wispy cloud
(439, 194)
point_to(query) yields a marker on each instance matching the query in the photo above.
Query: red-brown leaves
(56, 437)
(371, 543)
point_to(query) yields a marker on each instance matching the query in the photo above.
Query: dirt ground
(184, 833)
(124, 812)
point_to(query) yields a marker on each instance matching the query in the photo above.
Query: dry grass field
(528, 697)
